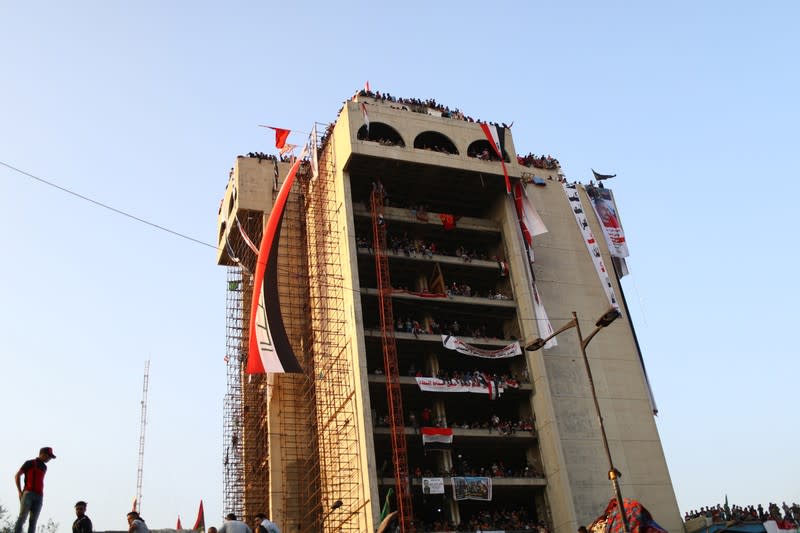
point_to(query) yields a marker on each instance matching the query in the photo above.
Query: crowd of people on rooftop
(725, 513)
(541, 161)
(417, 105)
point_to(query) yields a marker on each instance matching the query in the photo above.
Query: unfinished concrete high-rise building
(406, 286)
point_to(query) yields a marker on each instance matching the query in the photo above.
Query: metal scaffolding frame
(342, 494)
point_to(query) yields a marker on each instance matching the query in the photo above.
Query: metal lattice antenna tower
(140, 469)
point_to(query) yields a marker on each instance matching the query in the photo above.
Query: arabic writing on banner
(432, 485)
(454, 343)
(571, 190)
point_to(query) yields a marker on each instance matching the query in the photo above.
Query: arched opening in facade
(481, 149)
(433, 140)
(380, 133)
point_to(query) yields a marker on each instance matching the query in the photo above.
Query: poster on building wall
(606, 210)
(576, 206)
(454, 343)
(432, 485)
(472, 488)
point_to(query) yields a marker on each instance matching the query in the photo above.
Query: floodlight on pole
(603, 322)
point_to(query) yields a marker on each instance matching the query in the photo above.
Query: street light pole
(613, 473)
(607, 318)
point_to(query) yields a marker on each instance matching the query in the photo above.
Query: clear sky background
(145, 105)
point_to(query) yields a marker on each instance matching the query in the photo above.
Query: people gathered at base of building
(750, 513)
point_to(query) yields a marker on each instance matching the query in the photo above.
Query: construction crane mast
(137, 504)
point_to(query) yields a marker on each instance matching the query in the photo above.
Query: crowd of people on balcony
(724, 513)
(496, 469)
(484, 154)
(496, 424)
(542, 161)
(411, 247)
(516, 519)
(455, 328)
(493, 424)
(475, 378)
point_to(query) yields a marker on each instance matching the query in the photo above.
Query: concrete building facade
(458, 268)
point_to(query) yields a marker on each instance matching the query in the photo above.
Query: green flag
(387, 504)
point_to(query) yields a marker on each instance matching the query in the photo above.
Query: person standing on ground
(232, 525)
(265, 525)
(82, 524)
(136, 523)
(31, 495)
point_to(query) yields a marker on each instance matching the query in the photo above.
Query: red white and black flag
(437, 438)
(496, 135)
(270, 349)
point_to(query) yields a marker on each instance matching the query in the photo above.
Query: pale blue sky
(144, 106)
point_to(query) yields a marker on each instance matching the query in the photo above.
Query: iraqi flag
(530, 222)
(437, 438)
(496, 136)
(269, 346)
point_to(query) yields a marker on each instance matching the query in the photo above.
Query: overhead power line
(106, 206)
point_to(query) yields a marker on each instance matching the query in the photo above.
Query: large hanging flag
(200, 523)
(437, 438)
(530, 222)
(366, 116)
(280, 136)
(542, 321)
(496, 136)
(270, 349)
(574, 200)
(606, 210)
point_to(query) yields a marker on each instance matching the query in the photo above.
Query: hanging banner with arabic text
(433, 485)
(606, 210)
(571, 190)
(489, 387)
(454, 343)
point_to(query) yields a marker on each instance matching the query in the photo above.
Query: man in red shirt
(32, 493)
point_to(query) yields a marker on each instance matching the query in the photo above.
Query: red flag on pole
(280, 136)
(178, 526)
(366, 86)
(200, 523)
